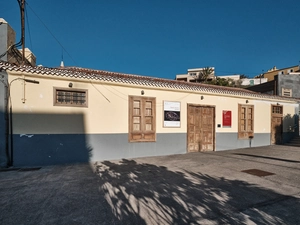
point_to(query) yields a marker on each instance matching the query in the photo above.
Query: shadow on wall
(290, 127)
(49, 139)
(3, 156)
(148, 194)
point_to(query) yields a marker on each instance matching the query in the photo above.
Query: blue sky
(161, 38)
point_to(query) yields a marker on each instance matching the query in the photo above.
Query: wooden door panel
(191, 129)
(276, 130)
(200, 128)
(191, 138)
(207, 128)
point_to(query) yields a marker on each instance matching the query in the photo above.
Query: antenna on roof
(62, 59)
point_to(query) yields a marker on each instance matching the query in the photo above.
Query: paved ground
(195, 188)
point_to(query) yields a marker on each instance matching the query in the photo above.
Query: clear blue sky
(162, 38)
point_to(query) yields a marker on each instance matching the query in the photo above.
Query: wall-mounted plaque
(226, 118)
(171, 114)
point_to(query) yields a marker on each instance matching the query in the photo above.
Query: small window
(246, 121)
(287, 92)
(142, 119)
(70, 97)
(276, 109)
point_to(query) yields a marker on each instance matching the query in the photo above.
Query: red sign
(226, 118)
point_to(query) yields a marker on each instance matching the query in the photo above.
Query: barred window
(67, 97)
(276, 109)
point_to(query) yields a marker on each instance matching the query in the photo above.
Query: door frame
(214, 124)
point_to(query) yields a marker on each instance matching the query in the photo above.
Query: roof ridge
(104, 72)
(84, 73)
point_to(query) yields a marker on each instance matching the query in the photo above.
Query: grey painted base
(226, 141)
(116, 146)
(40, 150)
(49, 149)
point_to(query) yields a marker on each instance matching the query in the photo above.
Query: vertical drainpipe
(10, 119)
(8, 163)
(4, 81)
(11, 158)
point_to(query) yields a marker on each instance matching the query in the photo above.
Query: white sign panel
(171, 114)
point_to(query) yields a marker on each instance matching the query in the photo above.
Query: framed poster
(171, 114)
(226, 122)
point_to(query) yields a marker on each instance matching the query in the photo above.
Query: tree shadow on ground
(149, 194)
(59, 195)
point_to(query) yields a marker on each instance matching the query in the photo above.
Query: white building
(232, 77)
(192, 74)
(254, 81)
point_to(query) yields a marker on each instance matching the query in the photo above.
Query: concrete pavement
(245, 186)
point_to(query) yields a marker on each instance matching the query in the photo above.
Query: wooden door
(201, 132)
(276, 125)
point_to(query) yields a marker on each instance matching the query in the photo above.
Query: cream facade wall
(106, 103)
(102, 126)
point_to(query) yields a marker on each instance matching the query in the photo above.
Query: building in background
(235, 80)
(234, 77)
(193, 74)
(8, 47)
(7, 39)
(253, 81)
(29, 56)
(270, 75)
(283, 82)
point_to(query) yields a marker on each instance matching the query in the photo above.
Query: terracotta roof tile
(89, 74)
